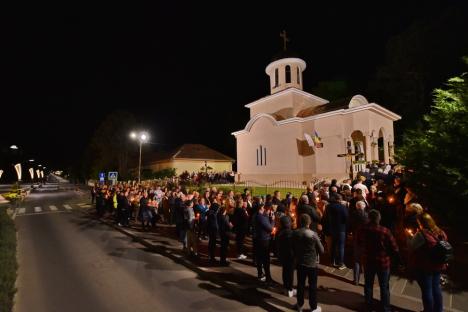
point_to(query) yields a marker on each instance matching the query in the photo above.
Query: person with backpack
(430, 253)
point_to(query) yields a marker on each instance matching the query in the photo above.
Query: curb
(251, 300)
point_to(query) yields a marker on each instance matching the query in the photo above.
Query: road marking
(37, 209)
(67, 206)
(53, 208)
(21, 210)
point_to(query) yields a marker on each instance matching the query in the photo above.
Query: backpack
(441, 252)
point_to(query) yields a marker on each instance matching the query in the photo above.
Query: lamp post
(142, 137)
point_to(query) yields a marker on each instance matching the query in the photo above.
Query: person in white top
(360, 185)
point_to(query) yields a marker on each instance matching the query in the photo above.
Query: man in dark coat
(263, 228)
(305, 208)
(224, 227)
(307, 246)
(337, 214)
(285, 253)
(212, 229)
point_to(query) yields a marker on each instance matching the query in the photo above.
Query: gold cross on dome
(285, 39)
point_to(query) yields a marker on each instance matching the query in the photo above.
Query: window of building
(261, 156)
(288, 73)
(298, 76)
(276, 77)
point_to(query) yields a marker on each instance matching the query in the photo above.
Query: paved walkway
(336, 292)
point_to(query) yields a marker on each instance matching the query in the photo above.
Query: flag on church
(309, 140)
(317, 140)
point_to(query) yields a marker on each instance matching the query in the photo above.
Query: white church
(276, 144)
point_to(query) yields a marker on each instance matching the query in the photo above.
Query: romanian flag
(317, 140)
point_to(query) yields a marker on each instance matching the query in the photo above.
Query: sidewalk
(336, 292)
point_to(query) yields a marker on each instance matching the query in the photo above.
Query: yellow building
(191, 158)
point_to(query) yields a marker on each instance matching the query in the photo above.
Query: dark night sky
(185, 71)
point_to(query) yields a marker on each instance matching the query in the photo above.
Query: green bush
(8, 264)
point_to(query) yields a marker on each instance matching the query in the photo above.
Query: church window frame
(287, 72)
(276, 77)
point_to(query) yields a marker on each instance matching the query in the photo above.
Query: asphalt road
(69, 262)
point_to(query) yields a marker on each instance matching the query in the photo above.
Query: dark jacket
(306, 246)
(312, 212)
(338, 217)
(357, 219)
(224, 226)
(240, 220)
(284, 241)
(212, 218)
(263, 227)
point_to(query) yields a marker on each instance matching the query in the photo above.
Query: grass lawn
(8, 264)
(260, 190)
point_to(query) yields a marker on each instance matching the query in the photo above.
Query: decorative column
(391, 151)
(385, 147)
(368, 143)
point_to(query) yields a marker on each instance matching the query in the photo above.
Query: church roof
(324, 108)
(190, 151)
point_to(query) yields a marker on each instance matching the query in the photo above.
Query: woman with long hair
(427, 270)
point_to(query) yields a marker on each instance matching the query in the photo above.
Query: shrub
(8, 264)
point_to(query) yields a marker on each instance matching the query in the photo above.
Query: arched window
(298, 76)
(276, 77)
(288, 74)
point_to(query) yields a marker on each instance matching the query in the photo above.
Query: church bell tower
(285, 70)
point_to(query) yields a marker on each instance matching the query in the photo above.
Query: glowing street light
(18, 171)
(142, 137)
(14, 147)
(31, 160)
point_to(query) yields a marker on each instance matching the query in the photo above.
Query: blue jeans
(338, 243)
(430, 291)
(384, 277)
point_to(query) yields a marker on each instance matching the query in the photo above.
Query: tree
(109, 147)
(419, 59)
(436, 153)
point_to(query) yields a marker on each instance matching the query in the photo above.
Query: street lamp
(142, 137)
(14, 147)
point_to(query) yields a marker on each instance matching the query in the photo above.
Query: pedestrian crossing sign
(102, 176)
(112, 175)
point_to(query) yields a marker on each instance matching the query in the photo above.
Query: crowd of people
(380, 220)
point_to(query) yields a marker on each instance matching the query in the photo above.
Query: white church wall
(279, 143)
(330, 130)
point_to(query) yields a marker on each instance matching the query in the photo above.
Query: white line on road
(67, 206)
(21, 210)
(37, 209)
(53, 208)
